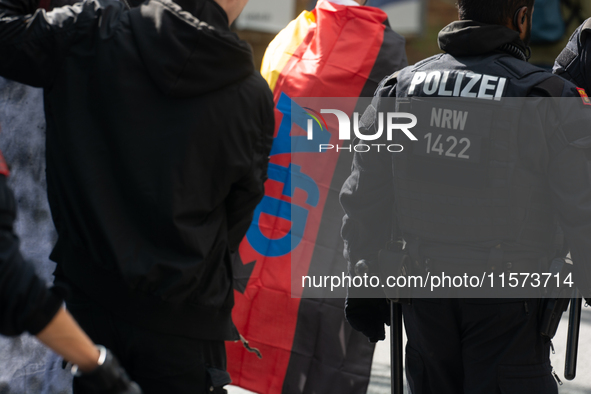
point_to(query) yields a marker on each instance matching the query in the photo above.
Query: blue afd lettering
(293, 114)
(281, 209)
(292, 178)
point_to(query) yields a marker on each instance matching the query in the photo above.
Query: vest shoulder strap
(551, 87)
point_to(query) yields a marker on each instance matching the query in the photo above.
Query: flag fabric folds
(306, 345)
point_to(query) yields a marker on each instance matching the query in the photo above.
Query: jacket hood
(189, 53)
(469, 38)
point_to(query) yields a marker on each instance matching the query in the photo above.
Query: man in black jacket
(158, 132)
(478, 193)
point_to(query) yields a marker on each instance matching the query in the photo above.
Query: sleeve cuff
(45, 314)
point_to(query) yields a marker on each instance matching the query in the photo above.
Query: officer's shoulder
(556, 86)
(582, 33)
(578, 42)
(553, 86)
(541, 82)
(517, 68)
(386, 85)
(390, 81)
(423, 63)
(393, 78)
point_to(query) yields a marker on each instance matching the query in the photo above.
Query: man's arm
(249, 190)
(367, 197)
(27, 305)
(65, 337)
(33, 42)
(569, 177)
(368, 201)
(98, 370)
(25, 302)
(570, 181)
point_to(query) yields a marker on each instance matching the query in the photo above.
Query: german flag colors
(306, 345)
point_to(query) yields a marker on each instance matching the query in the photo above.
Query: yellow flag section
(285, 44)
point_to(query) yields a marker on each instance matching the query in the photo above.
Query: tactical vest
(462, 181)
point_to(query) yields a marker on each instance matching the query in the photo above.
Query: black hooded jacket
(158, 134)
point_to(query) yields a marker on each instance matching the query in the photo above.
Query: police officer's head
(515, 14)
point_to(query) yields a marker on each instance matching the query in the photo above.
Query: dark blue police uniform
(489, 194)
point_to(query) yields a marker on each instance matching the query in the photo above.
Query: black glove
(368, 315)
(108, 378)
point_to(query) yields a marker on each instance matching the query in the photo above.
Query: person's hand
(368, 315)
(108, 378)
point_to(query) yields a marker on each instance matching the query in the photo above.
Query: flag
(306, 344)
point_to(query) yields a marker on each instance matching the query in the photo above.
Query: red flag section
(333, 51)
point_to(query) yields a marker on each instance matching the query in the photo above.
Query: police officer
(479, 189)
(573, 62)
(27, 305)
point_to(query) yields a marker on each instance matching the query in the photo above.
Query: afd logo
(279, 221)
(263, 234)
(391, 124)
